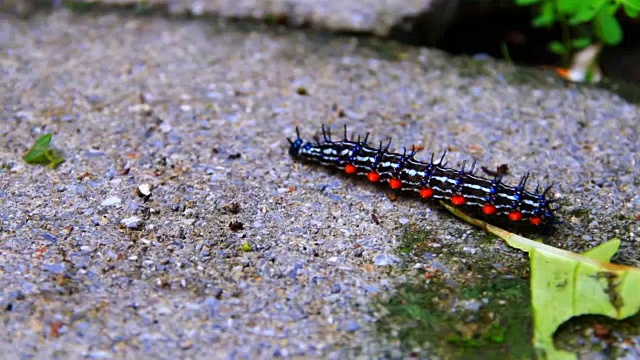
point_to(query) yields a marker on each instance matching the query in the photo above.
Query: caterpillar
(429, 180)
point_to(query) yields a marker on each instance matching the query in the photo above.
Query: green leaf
(568, 6)
(565, 284)
(546, 17)
(586, 11)
(40, 154)
(44, 141)
(526, 2)
(631, 7)
(580, 43)
(608, 28)
(557, 47)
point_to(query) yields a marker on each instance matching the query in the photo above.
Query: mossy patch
(413, 239)
(530, 76)
(469, 67)
(480, 321)
(459, 306)
(626, 90)
(82, 6)
(381, 48)
(581, 213)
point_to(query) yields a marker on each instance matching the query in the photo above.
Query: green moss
(459, 306)
(500, 328)
(529, 76)
(82, 6)
(580, 213)
(412, 240)
(470, 68)
(382, 48)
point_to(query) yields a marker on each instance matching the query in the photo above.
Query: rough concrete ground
(200, 110)
(364, 16)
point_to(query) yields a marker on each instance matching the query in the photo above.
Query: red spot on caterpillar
(373, 176)
(536, 220)
(426, 193)
(515, 215)
(395, 183)
(489, 209)
(457, 200)
(350, 169)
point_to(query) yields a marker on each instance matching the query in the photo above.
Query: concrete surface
(365, 16)
(200, 110)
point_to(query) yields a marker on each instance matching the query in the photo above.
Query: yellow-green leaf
(566, 284)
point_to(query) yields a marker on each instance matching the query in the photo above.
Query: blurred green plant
(41, 154)
(573, 15)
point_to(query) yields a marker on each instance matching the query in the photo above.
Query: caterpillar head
(296, 144)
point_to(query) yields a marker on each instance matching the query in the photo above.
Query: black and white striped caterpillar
(430, 180)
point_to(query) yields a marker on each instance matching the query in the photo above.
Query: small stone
(144, 190)
(24, 115)
(165, 127)
(111, 201)
(472, 305)
(350, 326)
(371, 289)
(212, 305)
(144, 109)
(49, 237)
(385, 260)
(187, 344)
(335, 288)
(133, 222)
(54, 268)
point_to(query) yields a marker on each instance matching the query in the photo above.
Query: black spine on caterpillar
(430, 180)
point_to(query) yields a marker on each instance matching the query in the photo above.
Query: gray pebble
(133, 222)
(384, 259)
(111, 201)
(350, 326)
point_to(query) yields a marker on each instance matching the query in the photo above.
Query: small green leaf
(44, 140)
(580, 43)
(557, 47)
(40, 154)
(546, 17)
(631, 7)
(246, 247)
(568, 6)
(586, 11)
(35, 157)
(608, 28)
(526, 2)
